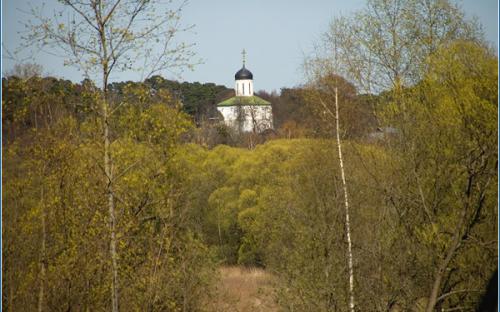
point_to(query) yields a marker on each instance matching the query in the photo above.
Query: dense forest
(131, 196)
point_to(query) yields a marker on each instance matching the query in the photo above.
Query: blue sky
(276, 34)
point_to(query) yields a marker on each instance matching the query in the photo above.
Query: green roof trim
(244, 101)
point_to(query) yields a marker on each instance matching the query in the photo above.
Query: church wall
(258, 116)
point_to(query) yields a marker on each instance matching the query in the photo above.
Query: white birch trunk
(346, 198)
(111, 208)
(108, 164)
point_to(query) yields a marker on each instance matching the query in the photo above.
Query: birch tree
(324, 89)
(346, 202)
(104, 37)
(386, 43)
(66, 264)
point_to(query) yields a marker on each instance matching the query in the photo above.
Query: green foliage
(385, 44)
(448, 145)
(423, 200)
(280, 205)
(198, 100)
(57, 222)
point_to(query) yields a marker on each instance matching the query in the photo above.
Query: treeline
(292, 116)
(197, 100)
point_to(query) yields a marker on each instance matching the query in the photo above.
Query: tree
(318, 97)
(296, 225)
(102, 37)
(53, 179)
(386, 43)
(324, 94)
(198, 100)
(446, 154)
(26, 71)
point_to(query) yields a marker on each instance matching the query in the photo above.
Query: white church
(246, 112)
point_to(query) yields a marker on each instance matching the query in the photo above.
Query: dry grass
(244, 289)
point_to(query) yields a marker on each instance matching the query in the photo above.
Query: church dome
(243, 74)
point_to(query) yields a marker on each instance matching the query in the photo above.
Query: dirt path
(244, 289)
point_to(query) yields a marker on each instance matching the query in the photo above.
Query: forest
(376, 191)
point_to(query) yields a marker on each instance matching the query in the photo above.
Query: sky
(277, 35)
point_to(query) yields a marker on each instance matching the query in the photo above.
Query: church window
(243, 88)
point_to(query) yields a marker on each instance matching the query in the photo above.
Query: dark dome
(243, 74)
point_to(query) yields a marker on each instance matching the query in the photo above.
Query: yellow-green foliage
(57, 180)
(281, 205)
(421, 199)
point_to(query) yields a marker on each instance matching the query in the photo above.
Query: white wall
(243, 85)
(256, 118)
